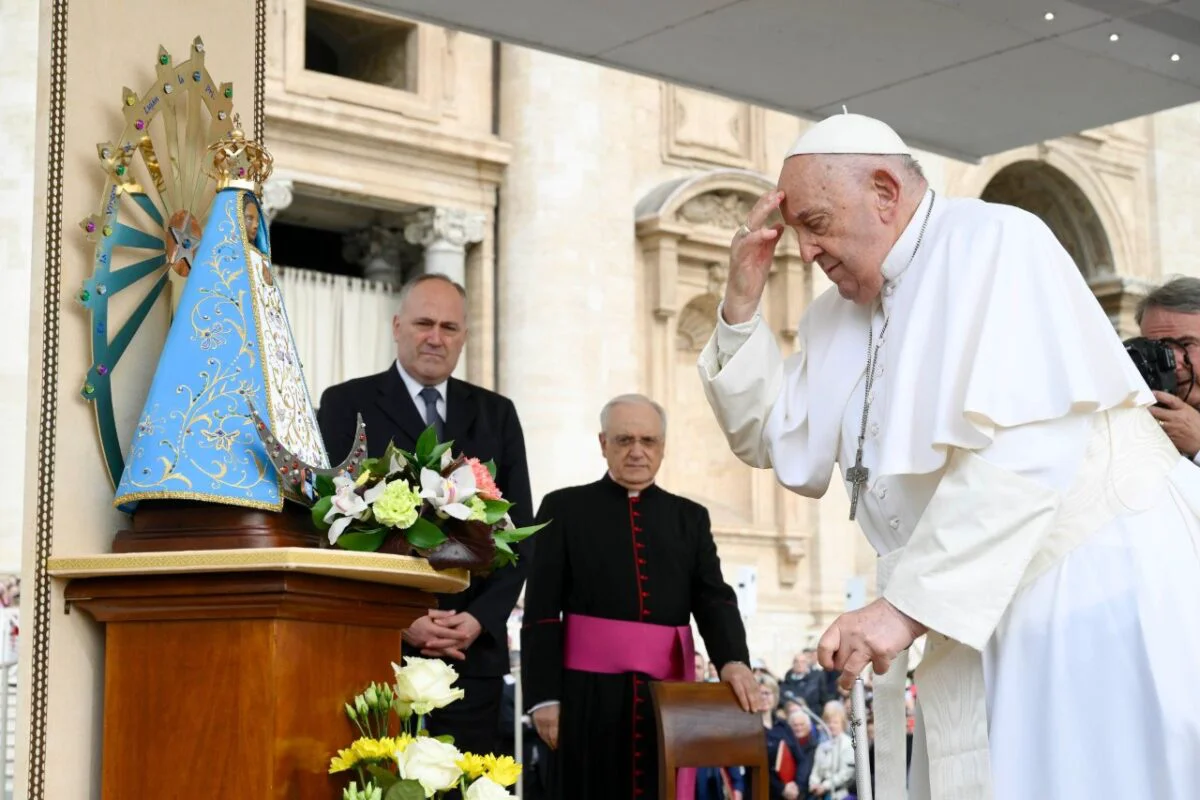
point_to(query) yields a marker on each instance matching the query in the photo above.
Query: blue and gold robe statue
(229, 350)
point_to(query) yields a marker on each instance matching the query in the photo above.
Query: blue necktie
(430, 396)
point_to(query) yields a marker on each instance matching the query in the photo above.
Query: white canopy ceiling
(965, 78)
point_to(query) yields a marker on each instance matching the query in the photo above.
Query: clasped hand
(875, 634)
(444, 633)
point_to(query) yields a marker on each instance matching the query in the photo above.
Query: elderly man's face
(633, 445)
(800, 725)
(1184, 332)
(800, 663)
(430, 331)
(843, 221)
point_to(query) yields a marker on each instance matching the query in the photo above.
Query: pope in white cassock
(1029, 513)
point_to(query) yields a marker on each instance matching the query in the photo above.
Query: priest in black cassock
(613, 583)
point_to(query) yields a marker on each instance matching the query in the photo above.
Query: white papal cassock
(1025, 505)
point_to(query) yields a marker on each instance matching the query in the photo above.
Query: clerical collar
(900, 256)
(630, 492)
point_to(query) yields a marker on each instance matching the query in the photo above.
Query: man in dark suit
(467, 629)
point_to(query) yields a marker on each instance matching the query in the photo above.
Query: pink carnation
(485, 485)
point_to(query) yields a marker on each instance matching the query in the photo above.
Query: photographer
(1171, 314)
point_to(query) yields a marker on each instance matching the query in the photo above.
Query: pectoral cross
(857, 475)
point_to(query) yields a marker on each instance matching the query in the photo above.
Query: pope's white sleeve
(986, 520)
(741, 370)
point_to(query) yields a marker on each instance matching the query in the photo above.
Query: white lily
(347, 506)
(449, 495)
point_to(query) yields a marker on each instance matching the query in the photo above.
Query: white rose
(431, 763)
(426, 684)
(487, 789)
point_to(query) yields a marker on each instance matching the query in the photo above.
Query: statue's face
(430, 331)
(252, 219)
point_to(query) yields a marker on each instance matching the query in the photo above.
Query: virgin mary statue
(229, 355)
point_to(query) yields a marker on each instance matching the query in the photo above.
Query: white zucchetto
(849, 134)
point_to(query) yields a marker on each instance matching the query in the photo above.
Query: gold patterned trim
(208, 498)
(370, 567)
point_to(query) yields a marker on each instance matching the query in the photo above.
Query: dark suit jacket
(483, 425)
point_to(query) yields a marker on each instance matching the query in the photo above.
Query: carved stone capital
(452, 226)
(276, 196)
(378, 250)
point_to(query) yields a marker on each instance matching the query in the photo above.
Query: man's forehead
(807, 184)
(1165, 318)
(436, 300)
(633, 418)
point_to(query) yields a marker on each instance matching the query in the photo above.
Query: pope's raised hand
(750, 257)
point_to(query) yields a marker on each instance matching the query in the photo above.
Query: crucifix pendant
(857, 475)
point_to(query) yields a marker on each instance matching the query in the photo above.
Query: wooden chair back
(702, 725)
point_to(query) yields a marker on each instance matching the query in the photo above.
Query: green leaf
(502, 559)
(383, 778)
(491, 467)
(424, 535)
(324, 485)
(435, 455)
(519, 534)
(494, 510)
(425, 444)
(504, 547)
(445, 738)
(405, 790)
(319, 510)
(368, 541)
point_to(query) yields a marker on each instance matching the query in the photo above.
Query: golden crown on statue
(239, 162)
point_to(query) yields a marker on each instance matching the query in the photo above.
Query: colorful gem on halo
(84, 295)
(120, 169)
(221, 115)
(101, 289)
(130, 99)
(88, 390)
(90, 227)
(228, 91)
(196, 76)
(106, 153)
(164, 59)
(101, 370)
(140, 125)
(106, 230)
(168, 88)
(241, 172)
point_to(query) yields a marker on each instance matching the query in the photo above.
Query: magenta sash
(613, 646)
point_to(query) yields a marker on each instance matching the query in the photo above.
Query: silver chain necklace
(858, 474)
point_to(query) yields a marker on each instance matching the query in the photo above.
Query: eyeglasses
(648, 442)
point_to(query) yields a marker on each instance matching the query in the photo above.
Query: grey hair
(1181, 295)
(633, 399)
(863, 165)
(424, 277)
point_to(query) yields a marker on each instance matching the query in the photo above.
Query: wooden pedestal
(233, 684)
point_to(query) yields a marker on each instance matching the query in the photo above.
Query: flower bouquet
(443, 507)
(396, 759)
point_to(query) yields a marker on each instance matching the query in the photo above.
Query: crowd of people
(810, 754)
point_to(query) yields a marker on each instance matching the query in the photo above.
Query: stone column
(445, 233)
(572, 317)
(276, 196)
(378, 250)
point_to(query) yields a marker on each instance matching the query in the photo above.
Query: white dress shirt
(414, 390)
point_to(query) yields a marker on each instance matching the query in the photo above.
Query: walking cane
(858, 734)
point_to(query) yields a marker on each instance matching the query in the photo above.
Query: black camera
(1155, 360)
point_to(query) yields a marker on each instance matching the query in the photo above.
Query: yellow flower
(397, 506)
(373, 749)
(400, 744)
(472, 765)
(363, 477)
(344, 760)
(501, 769)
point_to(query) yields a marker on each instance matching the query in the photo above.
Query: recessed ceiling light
(1114, 37)
(1049, 16)
(1174, 56)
